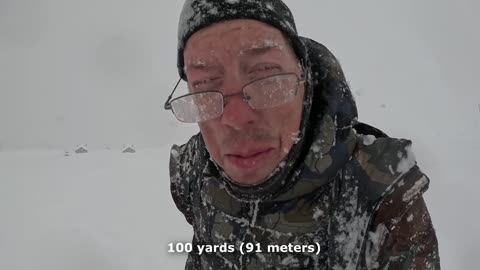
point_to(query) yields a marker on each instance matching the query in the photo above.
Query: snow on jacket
(352, 192)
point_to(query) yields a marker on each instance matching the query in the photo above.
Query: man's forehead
(201, 55)
(204, 58)
(238, 34)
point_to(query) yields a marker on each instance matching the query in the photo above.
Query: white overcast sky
(98, 72)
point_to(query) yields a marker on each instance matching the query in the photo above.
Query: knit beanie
(197, 14)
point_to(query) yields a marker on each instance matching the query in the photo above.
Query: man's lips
(249, 160)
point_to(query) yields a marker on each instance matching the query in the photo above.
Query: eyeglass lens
(262, 94)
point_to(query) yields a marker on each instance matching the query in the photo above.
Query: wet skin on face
(247, 144)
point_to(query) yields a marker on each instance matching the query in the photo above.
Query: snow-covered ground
(98, 72)
(109, 210)
(99, 210)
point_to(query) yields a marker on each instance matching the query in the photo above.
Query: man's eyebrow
(256, 50)
(199, 65)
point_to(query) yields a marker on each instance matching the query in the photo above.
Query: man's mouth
(249, 160)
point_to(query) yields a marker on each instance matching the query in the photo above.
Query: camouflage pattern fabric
(356, 193)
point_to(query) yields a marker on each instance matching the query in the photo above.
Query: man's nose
(237, 114)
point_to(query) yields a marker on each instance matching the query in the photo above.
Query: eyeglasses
(259, 94)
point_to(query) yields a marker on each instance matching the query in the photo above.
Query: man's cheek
(211, 138)
(286, 116)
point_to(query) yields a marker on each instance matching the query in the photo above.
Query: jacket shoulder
(392, 176)
(384, 159)
(401, 234)
(388, 165)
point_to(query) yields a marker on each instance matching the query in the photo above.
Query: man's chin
(251, 179)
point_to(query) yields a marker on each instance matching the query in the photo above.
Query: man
(282, 173)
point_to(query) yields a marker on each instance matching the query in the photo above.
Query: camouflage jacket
(352, 198)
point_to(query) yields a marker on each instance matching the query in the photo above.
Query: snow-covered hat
(197, 14)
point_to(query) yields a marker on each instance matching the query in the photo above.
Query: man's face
(248, 144)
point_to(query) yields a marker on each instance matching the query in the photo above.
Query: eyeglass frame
(168, 104)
